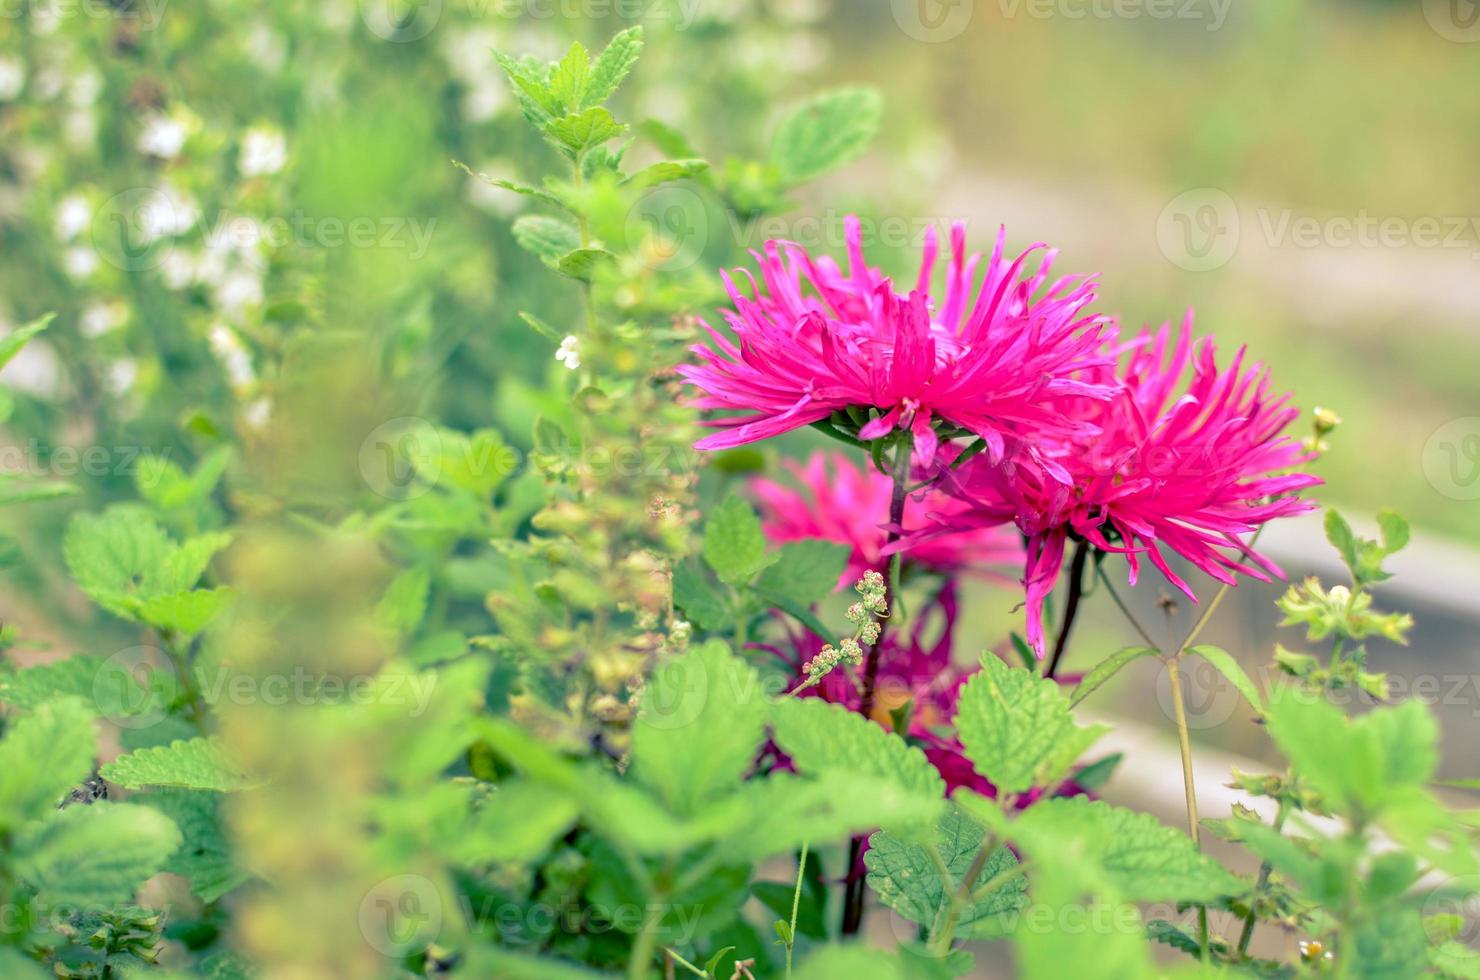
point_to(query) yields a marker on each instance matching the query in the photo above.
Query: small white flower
(12, 78)
(240, 289)
(100, 318)
(162, 137)
(121, 375)
(74, 215)
(264, 151)
(569, 352)
(178, 269)
(166, 212)
(80, 261)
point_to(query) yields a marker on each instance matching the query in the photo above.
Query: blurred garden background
(203, 191)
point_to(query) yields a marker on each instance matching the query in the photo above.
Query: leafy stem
(796, 903)
(940, 942)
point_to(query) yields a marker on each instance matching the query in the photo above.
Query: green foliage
(95, 855)
(42, 756)
(197, 763)
(825, 132)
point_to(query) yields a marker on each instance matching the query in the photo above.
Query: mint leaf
(734, 545)
(701, 720)
(42, 756)
(826, 132)
(1222, 661)
(612, 65)
(1101, 672)
(546, 238)
(197, 763)
(569, 77)
(806, 571)
(584, 130)
(1011, 722)
(11, 343)
(95, 855)
(907, 878)
(821, 737)
(204, 855)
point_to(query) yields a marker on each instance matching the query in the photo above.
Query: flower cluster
(1143, 447)
(864, 614)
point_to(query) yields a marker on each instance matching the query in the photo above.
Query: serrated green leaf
(518, 821)
(101, 685)
(667, 170)
(580, 131)
(821, 737)
(204, 856)
(826, 132)
(700, 604)
(42, 756)
(612, 65)
(95, 855)
(197, 763)
(582, 263)
(185, 613)
(531, 88)
(1009, 721)
(570, 76)
(701, 720)
(776, 815)
(1119, 852)
(806, 571)
(546, 238)
(908, 880)
(1101, 672)
(115, 555)
(734, 545)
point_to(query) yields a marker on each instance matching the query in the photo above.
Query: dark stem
(1071, 607)
(853, 891)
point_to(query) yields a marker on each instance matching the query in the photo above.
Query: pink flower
(1189, 472)
(839, 501)
(990, 358)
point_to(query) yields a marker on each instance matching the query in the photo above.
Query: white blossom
(264, 151)
(569, 352)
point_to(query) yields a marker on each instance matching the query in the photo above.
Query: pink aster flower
(1188, 471)
(836, 500)
(993, 357)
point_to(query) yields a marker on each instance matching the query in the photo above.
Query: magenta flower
(1190, 473)
(994, 358)
(837, 500)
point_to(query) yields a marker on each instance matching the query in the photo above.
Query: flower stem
(1071, 606)
(1264, 870)
(940, 943)
(853, 891)
(1179, 708)
(796, 902)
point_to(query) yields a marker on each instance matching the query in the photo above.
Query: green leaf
(101, 685)
(95, 855)
(701, 720)
(11, 343)
(907, 878)
(612, 65)
(197, 763)
(1119, 852)
(778, 814)
(1108, 668)
(667, 170)
(185, 613)
(581, 131)
(518, 821)
(1341, 536)
(1394, 529)
(826, 132)
(1224, 664)
(734, 545)
(1011, 723)
(850, 963)
(821, 737)
(42, 757)
(806, 571)
(204, 856)
(115, 555)
(17, 492)
(531, 88)
(404, 603)
(583, 262)
(569, 78)
(1392, 946)
(546, 238)
(699, 602)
